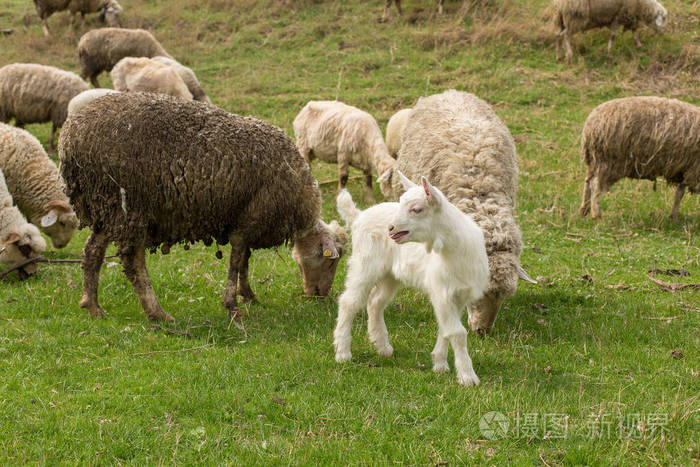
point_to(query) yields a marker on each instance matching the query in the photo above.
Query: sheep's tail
(346, 207)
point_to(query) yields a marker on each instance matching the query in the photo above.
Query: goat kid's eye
(416, 210)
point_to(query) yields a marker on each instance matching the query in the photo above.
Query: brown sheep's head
(21, 244)
(317, 253)
(59, 222)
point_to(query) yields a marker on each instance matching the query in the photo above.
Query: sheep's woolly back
(394, 131)
(37, 93)
(643, 137)
(85, 97)
(136, 74)
(581, 15)
(140, 164)
(457, 142)
(5, 196)
(187, 76)
(45, 8)
(101, 49)
(348, 129)
(31, 176)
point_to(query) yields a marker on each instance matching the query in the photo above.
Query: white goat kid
(424, 242)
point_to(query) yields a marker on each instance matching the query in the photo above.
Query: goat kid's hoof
(385, 351)
(469, 379)
(342, 357)
(441, 367)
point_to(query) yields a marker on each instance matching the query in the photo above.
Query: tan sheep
(456, 141)
(642, 138)
(36, 185)
(100, 49)
(187, 76)
(109, 10)
(337, 132)
(572, 16)
(394, 131)
(19, 240)
(134, 74)
(32, 93)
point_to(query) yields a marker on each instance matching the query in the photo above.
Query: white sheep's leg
(595, 197)
(560, 48)
(379, 298)
(342, 170)
(439, 355)
(677, 202)
(610, 41)
(71, 21)
(244, 289)
(385, 15)
(637, 42)
(357, 288)
(238, 249)
(52, 136)
(440, 2)
(586, 200)
(566, 39)
(134, 264)
(450, 327)
(369, 194)
(93, 257)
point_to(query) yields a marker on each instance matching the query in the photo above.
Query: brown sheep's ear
(328, 245)
(58, 205)
(12, 237)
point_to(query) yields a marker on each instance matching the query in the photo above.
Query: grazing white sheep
(85, 97)
(394, 131)
(133, 74)
(337, 132)
(19, 240)
(572, 16)
(36, 185)
(187, 76)
(426, 242)
(109, 10)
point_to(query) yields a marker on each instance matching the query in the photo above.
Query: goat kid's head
(21, 244)
(418, 206)
(59, 222)
(317, 253)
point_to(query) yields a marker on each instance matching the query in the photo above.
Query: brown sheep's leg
(45, 27)
(677, 202)
(369, 194)
(586, 201)
(93, 80)
(52, 136)
(243, 285)
(238, 249)
(385, 15)
(134, 264)
(595, 197)
(93, 256)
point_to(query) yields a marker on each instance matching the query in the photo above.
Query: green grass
(593, 339)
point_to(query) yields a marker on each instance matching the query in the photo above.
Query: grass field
(594, 365)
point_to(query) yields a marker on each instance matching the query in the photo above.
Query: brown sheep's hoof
(235, 313)
(94, 311)
(249, 298)
(161, 316)
(583, 212)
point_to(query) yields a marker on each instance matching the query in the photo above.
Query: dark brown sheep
(145, 170)
(643, 138)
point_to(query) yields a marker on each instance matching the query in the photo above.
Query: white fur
(394, 131)
(443, 255)
(85, 97)
(134, 74)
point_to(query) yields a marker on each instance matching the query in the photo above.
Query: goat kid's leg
(677, 202)
(134, 264)
(450, 327)
(244, 289)
(238, 249)
(439, 355)
(357, 288)
(379, 298)
(93, 257)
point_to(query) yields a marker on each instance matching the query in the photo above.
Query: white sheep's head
(59, 222)
(20, 244)
(418, 206)
(111, 12)
(660, 18)
(317, 253)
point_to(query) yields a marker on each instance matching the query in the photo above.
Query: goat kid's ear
(407, 184)
(431, 193)
(12, 237)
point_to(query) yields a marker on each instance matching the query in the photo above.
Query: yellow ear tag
(327, 253)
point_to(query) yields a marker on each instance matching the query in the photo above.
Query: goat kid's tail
(346, 207)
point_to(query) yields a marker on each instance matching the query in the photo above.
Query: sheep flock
(155, 163)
